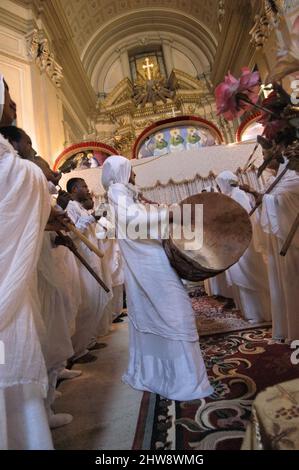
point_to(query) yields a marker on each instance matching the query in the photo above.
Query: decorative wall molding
(12, 43)
(39, 51)
(276, 19)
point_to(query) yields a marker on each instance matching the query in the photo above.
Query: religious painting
(86, 155)
(177, 138)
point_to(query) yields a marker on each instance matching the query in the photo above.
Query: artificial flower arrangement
(279, 116)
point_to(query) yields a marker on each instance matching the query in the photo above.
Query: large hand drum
(226, 235)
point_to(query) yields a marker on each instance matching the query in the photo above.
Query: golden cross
(174, 113)
(148, 68)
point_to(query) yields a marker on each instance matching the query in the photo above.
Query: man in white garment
(104, 325)
(165, 356)
(113, 269)
(58, 308)
(94, 298)
(276, 216)
(23, 374)
(248, 277)
(20, 141)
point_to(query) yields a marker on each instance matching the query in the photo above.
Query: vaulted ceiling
(89, 17)
(87, 35)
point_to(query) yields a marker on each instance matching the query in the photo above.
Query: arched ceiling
(88, 18)
(138, 28)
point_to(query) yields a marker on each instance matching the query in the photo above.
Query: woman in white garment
(24, 211)
(248, 277)
(165, 356)
(276, 216)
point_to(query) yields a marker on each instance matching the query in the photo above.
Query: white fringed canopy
(172, 178)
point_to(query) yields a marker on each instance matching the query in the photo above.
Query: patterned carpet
(239, 366)
(213, 318)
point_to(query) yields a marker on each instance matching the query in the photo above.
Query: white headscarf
(116, 169)
(2, 95)
(224, 179)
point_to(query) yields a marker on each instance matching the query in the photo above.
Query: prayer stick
(290, 237)
(271, 187)
(74, 250)
(85, 240)
(247, 164)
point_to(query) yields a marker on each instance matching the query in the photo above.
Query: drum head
(227, 233)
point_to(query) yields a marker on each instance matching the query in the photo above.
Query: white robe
(276, 216)
(218, 285)
(56, 305)
(24, 210)
(113, 273)
(165, 356)
(248, 277)
(94, 298)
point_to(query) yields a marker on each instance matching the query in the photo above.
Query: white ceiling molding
(183, 45)
(169, 22)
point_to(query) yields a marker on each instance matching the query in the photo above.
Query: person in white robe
(248, 276)
(64, 260)
(24, 211)
(276, 216)
(113, 270)
(58, 308)
(164, 351)
(94, 298)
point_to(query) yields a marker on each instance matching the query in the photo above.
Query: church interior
(199, 101)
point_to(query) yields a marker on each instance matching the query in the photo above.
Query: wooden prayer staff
(272, 186)
(248, 163)
(85, 240)
(290, 237)
(70, 245)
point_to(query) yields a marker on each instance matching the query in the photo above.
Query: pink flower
(250, 84)
(225, 94)
(229, 93)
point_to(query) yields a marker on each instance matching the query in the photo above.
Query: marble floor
(105, 410)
